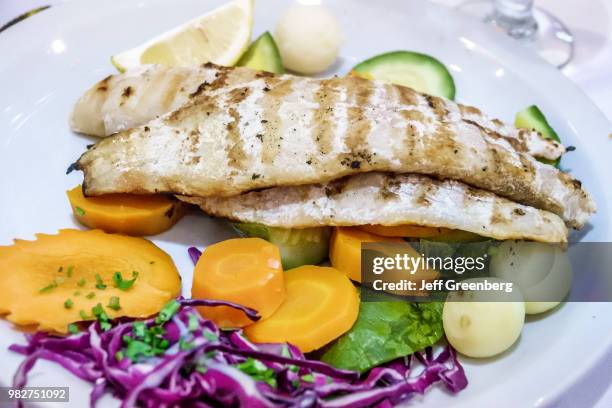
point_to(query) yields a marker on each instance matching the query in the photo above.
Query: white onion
(483, 329)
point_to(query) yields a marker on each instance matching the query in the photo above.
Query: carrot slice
(321, 305)
(247, 271)
(56, 280)
(129, 214)
(345, 249)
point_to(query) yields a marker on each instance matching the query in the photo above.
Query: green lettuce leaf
(385, 331)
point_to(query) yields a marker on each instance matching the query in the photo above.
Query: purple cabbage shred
(197, 364)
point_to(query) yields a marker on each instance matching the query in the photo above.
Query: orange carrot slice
(345, 249)
(321, 305)
(246, 271)
(56, 280)
(129, 214)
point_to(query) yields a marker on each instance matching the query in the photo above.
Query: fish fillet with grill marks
(123, 101)
(389, 199)
(273, 130)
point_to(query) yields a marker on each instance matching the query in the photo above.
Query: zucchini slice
(307, 246)
(418, 71)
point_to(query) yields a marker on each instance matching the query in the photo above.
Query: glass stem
(516, 17)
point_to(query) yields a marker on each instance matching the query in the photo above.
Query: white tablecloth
(591, 23)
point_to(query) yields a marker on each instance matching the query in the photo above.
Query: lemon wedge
(220, 36)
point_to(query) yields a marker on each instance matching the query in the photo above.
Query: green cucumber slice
(532, 118)
(418, 71)
(307, 246)
(263, 55)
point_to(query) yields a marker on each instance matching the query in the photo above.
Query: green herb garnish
(167, 312)
(80, 212)
(124, 284)
(99, 282)
(100, 314)
(193, 323)
(48, 288)
(258, 371)
(73, 328)
(68, 304)
(81, 282)
(113, 303)
(69, 271)
(308, 378)
(90, 295)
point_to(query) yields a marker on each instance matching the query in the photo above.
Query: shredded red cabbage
(194, 254)
(179, 358)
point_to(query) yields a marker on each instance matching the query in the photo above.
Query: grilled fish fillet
(285, 130)
(123, 101)
(389, 199)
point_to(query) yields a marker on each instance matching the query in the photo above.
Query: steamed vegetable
(385, 331)
(306, 246)
(321, 305)
(416, 231)
(57, 280)
(309, 38)
(246, 271)
(532, 118)
(263, 55)
(180, 359)
(479, 327)
(542, 272)
(418, 71)
(345, 249)
(128, 214)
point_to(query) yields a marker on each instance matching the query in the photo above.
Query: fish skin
(285, 130)
(389, 199)
(153, 90)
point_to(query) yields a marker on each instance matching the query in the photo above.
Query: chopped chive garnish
(119, 356)
(80, 212)
(99, 282)
(124, 284)
(69, 271)
(210, 336)
(49, 287)
(83, 315)
(308, 378)
(68, 304)
(113, 303)
(167, 312)
(90, 295)
(193, 322)
(81, 282)
(73, 328)
(100, 314)
(139, 328)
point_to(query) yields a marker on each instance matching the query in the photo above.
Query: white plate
(50, 59)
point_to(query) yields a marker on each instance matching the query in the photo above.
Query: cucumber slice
(418, 71)
(532, 118)
(307, 246)
(263, 55)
